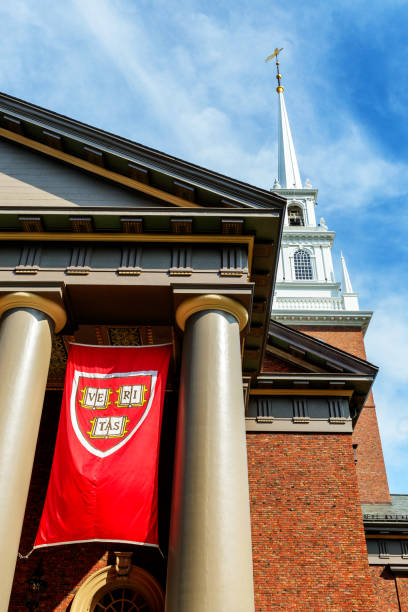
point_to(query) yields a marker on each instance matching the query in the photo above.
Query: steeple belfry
(288, 169)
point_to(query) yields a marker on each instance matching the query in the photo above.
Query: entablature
(56, 259)
(391, 550)
(316, 384)
(307, 385)
(120, 266)
(291, 410)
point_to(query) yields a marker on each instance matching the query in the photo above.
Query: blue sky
(189, 78)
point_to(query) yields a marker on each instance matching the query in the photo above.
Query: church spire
(288, 169)
(346, 282)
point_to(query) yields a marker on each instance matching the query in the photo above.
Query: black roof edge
(321, 348)
(140, 153)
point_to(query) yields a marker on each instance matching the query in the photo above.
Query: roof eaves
(135, 152)
(321, 349)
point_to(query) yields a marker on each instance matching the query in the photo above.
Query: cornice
(297, 193)
(306, 284)
(221, 185)
(359, 383)
(289, 235)
(344, 318)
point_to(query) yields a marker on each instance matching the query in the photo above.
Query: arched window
(122, 600)
(295, 215)
(303, 265)
(120, 588)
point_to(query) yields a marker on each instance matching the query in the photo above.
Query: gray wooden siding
(29, 179)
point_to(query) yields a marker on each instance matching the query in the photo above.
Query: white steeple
(306, 291)
(288, 169)
(346, 284)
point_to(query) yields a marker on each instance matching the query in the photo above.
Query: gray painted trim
(299, 408)
(146, 212)
(396, 560)
(120, 258)
(265, 380)
(383, 518)
(359, 385)
(254, 424)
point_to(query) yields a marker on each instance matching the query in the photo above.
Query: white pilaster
(350, 298)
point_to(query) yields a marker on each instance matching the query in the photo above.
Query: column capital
(211, 301)
(24, 299)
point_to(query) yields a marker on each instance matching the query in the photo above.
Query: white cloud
(349, 170)
(194, 84)
(388, 337)
(199, 88)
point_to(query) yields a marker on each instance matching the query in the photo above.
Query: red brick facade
(349, 339)
(65, 569)
(401, 583)
(275, 364)
(372, 477)
(308, 538)
(390, 591)
(304, 532)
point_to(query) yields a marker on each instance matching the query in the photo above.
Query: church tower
(308, 297)
(306, 291)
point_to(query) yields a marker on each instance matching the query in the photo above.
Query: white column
(25, 348)
(210, 553)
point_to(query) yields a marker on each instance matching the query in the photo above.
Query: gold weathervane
(279, 88)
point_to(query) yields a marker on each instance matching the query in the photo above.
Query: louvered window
(295, 215)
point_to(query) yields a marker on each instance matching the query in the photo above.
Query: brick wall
(65, 569)
(271, 363)
(308, 538)
(390, 591)
(402, 588)
(349, 339)
(372, 477)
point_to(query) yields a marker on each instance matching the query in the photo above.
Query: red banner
(103, 483)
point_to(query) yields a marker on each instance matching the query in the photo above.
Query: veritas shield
(107, 409)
